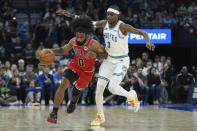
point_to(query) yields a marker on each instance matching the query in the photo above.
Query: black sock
(55, 110)
(73, 103)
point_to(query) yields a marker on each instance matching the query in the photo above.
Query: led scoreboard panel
(157, 36)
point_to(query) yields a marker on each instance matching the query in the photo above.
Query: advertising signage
(157, 36)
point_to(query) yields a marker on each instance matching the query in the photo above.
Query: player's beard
(81, 43)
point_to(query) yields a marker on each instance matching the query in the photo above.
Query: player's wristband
(76, 16)
(94, 24)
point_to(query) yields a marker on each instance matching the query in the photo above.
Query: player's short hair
(114, 7)
(82, 24)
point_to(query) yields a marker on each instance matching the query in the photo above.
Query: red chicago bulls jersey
(81, 59)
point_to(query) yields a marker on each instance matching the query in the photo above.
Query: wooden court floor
(118, 118)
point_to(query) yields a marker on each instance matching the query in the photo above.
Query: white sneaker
(134, 101)
(13, 103)
(50, 102)
(42, 102)
(68, 103)
(63, 102)
(20, 102)
(83, 102)
(100, 119)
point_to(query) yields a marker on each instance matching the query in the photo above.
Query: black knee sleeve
(70, 75)
(75, 95)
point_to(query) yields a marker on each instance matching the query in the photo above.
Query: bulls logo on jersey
(85, 48)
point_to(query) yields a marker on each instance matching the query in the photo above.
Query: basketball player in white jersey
(114, 68)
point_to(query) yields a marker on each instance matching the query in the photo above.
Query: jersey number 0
(81, 62)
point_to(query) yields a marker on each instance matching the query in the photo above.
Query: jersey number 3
(81, 62)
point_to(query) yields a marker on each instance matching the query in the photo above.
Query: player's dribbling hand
(150, 46)
(64, 12)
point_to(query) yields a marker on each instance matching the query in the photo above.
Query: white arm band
(94, 23)
(76, 16)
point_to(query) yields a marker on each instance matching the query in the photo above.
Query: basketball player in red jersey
(81, 67)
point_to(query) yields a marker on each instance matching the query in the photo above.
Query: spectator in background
(4, 78)
(145, 57)
(21, 67)
(17, 49)
(2, 41)
(28, 54)
(16, 82)
(57, 79)
(182, 9)
(169, 76)
(141, 87)
(163, 61)
(28, 76)
(157, 21)
(149, 64)
(167, 21)
(7, 93)
(194, 72)
(142, 80)
(33, 94)
(139, 63)
(40, 69)
(1, 63)
(40, 33)
(52, 35)
(57, 58)
(136, 21)
(183, 82)
(132, 69)
(153, 82)
(13, 68)
(192, 8)
(23, 31)
(63, 31)
(46, 82)
(7, 67)
(158, 65)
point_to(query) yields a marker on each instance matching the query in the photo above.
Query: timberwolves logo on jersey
(110, 36)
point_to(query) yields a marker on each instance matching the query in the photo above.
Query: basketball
(46, 57)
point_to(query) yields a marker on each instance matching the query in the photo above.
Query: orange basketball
(46, 57)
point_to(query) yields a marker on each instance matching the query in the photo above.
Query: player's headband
(113, 10)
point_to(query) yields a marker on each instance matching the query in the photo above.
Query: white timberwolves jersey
(116, 44)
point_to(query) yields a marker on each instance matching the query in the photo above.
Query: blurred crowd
(155, 80)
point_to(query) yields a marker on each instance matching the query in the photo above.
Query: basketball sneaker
(52, 118)
(134, 101)
(99, 120)
(71, 108)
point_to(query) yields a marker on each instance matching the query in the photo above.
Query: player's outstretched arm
(66, 13)
(99, 24)
(65, 49)
(96, 24)
(125, 28)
